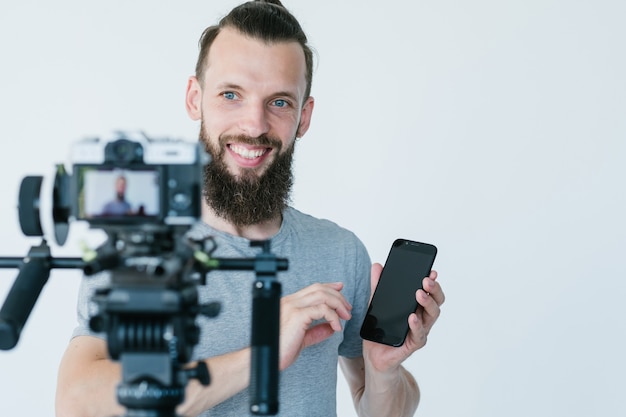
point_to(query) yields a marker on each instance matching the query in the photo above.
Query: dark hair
(266, 20)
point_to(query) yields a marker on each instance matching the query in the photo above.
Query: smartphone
(408, 263)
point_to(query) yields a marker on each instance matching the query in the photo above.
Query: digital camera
(135, 180)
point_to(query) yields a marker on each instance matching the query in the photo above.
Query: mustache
(262, 140)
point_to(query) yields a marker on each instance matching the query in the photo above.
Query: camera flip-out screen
(112, 195)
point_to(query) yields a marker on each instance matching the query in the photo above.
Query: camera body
(132, 180)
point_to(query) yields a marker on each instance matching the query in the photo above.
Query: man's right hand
(299, 310)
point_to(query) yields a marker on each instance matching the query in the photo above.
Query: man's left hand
(384, 358)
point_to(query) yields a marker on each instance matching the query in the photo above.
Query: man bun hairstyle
(266, 20)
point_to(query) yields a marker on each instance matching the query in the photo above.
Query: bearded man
(251, 95)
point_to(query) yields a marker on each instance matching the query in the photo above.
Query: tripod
(149, 311)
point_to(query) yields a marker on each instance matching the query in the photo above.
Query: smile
(248, 153)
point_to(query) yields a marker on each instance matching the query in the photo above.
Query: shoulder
(321, 231)
(302, 222)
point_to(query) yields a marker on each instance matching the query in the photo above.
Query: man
(119, 206)
(251, 93)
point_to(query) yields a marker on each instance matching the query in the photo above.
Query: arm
(391, 393)
(87, 380)
(378, 382)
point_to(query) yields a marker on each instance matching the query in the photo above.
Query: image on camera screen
(118, 194)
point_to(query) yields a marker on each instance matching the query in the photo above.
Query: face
(120, 187)
(252, 107)
(250, 90)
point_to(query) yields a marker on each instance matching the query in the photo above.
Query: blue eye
(229, 95)
(280, 103)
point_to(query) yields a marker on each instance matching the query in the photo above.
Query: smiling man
(251, 95)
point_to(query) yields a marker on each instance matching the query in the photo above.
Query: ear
(305, 116)
(193, 98)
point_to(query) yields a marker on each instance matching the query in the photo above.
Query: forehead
(234, 57)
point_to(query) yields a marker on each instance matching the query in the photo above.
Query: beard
(248, 198)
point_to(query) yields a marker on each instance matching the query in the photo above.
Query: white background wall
(492, 129)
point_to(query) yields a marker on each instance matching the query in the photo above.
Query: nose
(253, 121)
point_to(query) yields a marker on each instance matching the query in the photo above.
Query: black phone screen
(408, 263)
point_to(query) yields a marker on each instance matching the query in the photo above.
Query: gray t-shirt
(317, 251)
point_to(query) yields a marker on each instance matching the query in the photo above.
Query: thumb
(376, 270)
(317, 334)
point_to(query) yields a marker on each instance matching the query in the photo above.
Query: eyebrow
(286, 94)
(228, 85)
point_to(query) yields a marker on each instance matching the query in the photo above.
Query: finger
(332, 298)
(320, 294)
(338, 286)
(317, 334)
(431, 309)
(314, 312)
(324, 312)
(433, 288)
(433, 274)
(418, 333)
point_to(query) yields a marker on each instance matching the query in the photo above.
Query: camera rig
(148, 311)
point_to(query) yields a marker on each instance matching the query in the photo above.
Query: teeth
(247, 153)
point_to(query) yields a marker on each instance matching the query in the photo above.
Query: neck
(258, 231)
